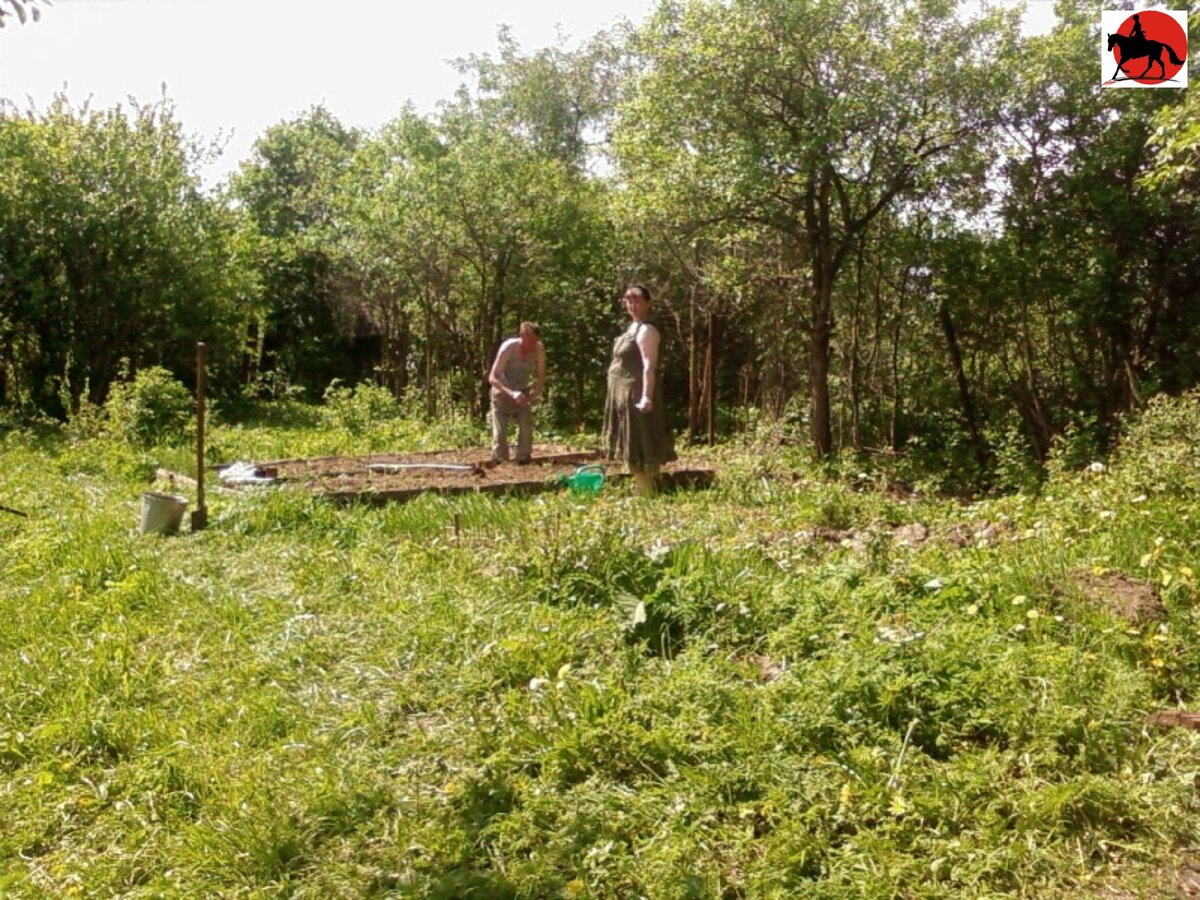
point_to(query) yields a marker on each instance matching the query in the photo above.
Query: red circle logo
(1149, 47)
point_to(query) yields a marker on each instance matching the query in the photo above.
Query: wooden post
(200, 513)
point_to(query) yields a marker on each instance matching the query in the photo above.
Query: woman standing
(635, 428)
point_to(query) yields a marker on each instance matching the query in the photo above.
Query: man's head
(529, 334)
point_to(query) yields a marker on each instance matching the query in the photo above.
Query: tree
(1092, 262)
(458, 229)
(1176, 138)
(808, 118)
(109, 254)
(289, 190)
(556, 99)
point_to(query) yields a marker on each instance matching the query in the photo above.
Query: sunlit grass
(757, 690)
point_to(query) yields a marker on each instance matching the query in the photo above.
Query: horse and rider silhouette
(1136, 45)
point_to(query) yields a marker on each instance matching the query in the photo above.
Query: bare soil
(369, 479)
(1132, 599)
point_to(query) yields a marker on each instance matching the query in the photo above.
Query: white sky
(235, 67)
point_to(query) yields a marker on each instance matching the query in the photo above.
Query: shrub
(1016, 467)
(151, 408)
(1159, 452)
(1078, 445)
(357, 410)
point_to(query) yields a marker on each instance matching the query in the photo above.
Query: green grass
(753, 691)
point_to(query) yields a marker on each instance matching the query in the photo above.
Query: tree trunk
(1029, 405)
(429, 392)
(823, 263)
(894, 415)
(821, 332)
(855, 378)
(710, 381)
(251, 357)
(693, 371)
(982, 451)
(4, 358)
(396, 348)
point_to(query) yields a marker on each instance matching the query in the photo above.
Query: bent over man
(517, 378)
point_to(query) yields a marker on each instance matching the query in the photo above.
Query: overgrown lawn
(779, 687)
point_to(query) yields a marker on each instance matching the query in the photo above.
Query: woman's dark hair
(640, 288)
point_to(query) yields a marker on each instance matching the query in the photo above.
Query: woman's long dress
(641, 440)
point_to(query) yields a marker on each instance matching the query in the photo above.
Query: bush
(1159, 452)
(151, 408)
(1016, 468)
(1078, 445)
(357, 410)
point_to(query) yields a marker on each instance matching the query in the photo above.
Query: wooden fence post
(200, 514)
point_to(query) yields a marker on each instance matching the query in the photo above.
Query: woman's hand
(643, 405)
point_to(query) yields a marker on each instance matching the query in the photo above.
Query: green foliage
(556, 96)
(753, 690)
(737, 142)
(461, 228)
(149, 409)
(1176, 142)
(827, 219)
(1016, 467)
(1079, 444)
(1159, 452)
(110, 253)
(358, 409)
(288, 191)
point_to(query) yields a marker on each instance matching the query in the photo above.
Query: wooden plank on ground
(669, 480)
(575, 456)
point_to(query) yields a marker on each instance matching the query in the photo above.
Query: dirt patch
(913, 534)
(1174, 718)
(767, 669)
(1133, 600)
(980, 533)
(1169, 882)
(388, 477)
(1188, 878)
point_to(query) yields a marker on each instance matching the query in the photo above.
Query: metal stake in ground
(200, 513)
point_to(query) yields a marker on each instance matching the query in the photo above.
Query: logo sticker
(1143, 49)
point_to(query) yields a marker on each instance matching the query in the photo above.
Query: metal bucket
(161, 513)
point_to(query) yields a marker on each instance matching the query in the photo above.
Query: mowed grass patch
(766, 689)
